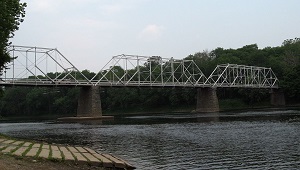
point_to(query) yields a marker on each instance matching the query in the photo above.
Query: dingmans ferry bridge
(35, 66)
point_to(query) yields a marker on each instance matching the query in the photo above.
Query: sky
(90, 32)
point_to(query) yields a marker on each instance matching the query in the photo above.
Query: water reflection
(184, 141)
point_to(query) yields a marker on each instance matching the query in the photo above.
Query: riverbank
(16, 153)
(8, 162)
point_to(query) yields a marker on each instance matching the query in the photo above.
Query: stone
(117, 162)
(20, 151)
(207, 100)
(53, 147)
(36, 145)
(93, 160)
(9, 149)
(89, 102)
(56, 154)
(80, 158)
(105, 162)
(277, 97)
(80, 149)
(72, 149)
(67, 154)
(27, 144)
(90, 150)
(32, 152)
(45, 146)
(17, 142)
(8, 141)
(44, 153)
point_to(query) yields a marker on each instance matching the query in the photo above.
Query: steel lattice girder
(233, 75)
(132, 70)
(40, 66)
(47, 66)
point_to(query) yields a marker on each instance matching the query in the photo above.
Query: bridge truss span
(242, 76)
(36, 66)
(149, 71)
(32, 66)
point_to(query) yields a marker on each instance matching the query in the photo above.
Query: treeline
(284, 60)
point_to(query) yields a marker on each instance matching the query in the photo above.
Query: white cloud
(151, 32)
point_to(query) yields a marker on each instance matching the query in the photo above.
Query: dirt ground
(8, 162)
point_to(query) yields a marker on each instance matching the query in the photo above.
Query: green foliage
(12, 13)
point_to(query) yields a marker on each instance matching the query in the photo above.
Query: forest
(284, 61)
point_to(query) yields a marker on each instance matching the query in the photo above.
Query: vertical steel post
(138, 69)
(161, 71)
(150, 72)
(13, 65)
(172, 70)
(35, 64)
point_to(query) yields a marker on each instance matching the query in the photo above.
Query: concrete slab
(32, 152)
(117, 162)
(93, 160)
(72, 149)
(9, 148)
(80, 149)
(53, 147)
(17, 142)
(1, 140)
(8, 141)
(45, 146)
(90, 150)
(80, 158)
(67, 154)
(81, 155)
(36, 145)
(56, 154)
(44, 153)
(105, 162)
(20, 151)
(27, 143)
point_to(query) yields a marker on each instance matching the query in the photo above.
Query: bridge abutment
(277, 97)
(89, 102)
(207, 100)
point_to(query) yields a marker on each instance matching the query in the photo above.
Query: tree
(12, 13)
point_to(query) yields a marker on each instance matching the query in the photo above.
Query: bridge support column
(277, 98)
(89, 103)
(207, 100)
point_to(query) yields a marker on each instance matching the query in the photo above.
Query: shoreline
(118, 113)
(43, 154)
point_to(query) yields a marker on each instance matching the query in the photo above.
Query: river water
(240, 140)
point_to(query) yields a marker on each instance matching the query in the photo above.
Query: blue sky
(90, 32)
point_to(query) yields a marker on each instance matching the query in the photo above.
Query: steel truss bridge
(35, 66)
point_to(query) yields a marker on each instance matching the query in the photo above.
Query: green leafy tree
(12, 13)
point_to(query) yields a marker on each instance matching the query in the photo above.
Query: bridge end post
(277, 97)
(89, 102)
(207, 100)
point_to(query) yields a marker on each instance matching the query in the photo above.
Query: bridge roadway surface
(70, 154)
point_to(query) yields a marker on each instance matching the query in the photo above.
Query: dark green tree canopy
(12, 13)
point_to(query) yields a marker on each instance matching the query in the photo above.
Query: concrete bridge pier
(207, 100)
(277, 97)
(89, 102)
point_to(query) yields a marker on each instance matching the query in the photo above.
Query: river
(230, 140)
